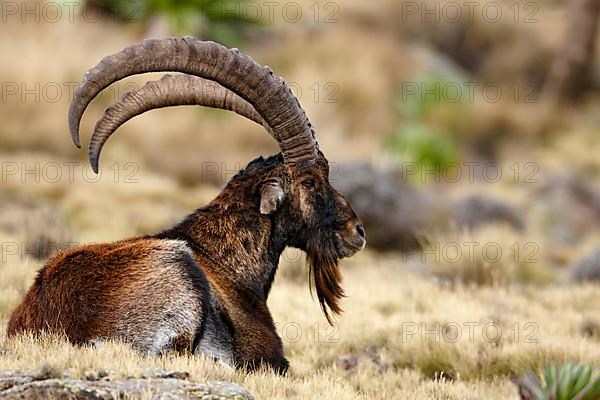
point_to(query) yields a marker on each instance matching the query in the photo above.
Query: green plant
(569, 382)
(433, 117)
(219, 19)
(428, 149)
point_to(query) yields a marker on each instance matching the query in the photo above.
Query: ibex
(202, 285)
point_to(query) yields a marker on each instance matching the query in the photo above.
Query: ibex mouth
(347, 247)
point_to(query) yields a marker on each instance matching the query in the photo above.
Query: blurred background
(440, 119)
(465, 134)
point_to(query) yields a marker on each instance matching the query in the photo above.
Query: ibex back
(202, 285)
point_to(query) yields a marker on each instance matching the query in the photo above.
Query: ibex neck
(237, 246)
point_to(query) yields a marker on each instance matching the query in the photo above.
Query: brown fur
(209, 276)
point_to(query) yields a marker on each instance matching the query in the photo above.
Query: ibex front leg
(256, 343)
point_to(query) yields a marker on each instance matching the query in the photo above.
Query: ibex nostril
(360, 230)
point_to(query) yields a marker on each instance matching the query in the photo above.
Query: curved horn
(269, 95)
(169, 91)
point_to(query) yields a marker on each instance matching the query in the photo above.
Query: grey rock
(6, 382)
(587, 268)
(398, 215)
(25, 386)
(394, 213)
(10, 379)
(473, 212)
(567, 208)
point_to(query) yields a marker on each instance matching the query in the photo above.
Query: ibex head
(292, 188)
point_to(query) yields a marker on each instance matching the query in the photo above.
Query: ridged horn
(268, 94)
(169, 91)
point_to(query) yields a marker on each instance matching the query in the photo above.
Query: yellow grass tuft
(402, 336)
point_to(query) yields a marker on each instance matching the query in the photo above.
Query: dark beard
(324, 274)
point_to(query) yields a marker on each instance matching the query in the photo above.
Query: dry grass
(398, 336)
(490, 256)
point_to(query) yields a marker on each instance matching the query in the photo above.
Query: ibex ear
(271, 196)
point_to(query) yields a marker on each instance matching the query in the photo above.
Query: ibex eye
(309, 184)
